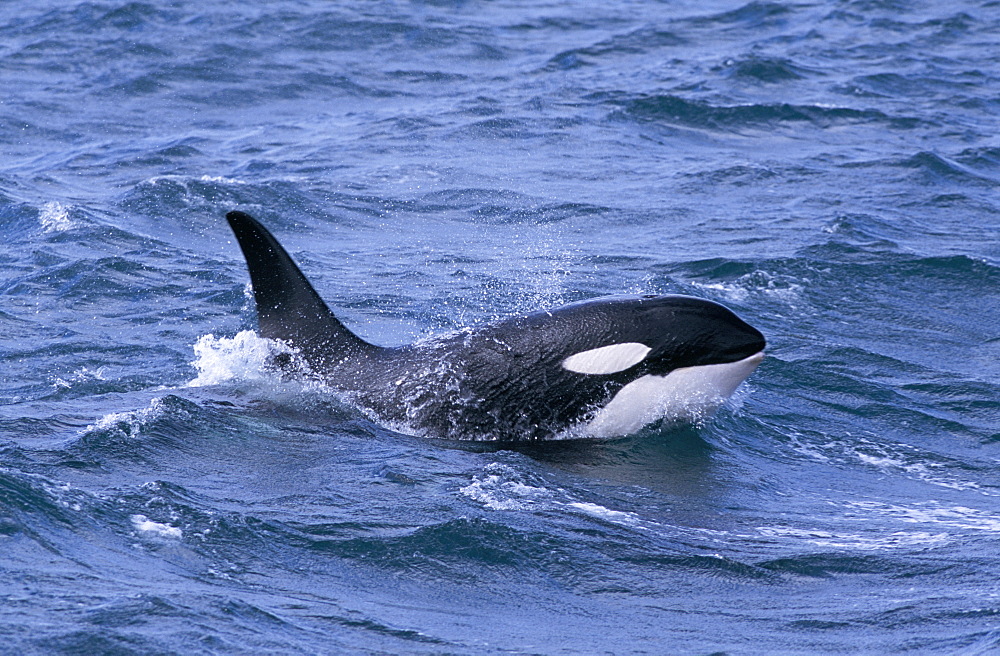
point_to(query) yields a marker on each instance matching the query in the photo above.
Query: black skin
(501, 381)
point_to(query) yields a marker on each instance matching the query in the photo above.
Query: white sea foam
(54, 217)
(184, 180)
(957, 517)
(245, 357)
(887, 456)
(500, 489)
(221, 179)
(600, 512)
(81, 375)
(903, 458)
(128, 423)
(782, 289)
(935, 524)
(844, 540)
(155, 529)
(62, 493)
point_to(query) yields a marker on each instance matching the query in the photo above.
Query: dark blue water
(829, 170)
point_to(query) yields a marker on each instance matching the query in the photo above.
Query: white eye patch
(607, 359)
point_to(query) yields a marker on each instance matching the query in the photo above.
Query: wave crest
(242, 358)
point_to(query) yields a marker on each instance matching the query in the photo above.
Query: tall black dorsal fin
(288, 308)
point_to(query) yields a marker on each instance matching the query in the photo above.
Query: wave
(756, 69)
(756, 14)
(132, 436)
(675, 110)
(501, 207)
(21, 221)
(826, 565)
(629, 44)
(242, 358)
(936, 166)
(32, 502)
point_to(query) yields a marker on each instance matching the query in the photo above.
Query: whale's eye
(607, 359)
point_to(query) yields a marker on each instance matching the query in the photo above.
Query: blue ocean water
(829, 170)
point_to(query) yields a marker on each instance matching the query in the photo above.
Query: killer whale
(601, 368)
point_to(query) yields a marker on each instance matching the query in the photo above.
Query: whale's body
(598, 368)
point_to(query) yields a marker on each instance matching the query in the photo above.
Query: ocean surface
(830, 170)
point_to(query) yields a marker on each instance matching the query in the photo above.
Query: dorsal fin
(288, 308)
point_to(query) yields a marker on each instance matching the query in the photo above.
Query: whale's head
(655, 335)
(685, 331)
(663, 356)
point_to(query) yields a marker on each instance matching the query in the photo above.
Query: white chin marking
(607, 359)
(683, 394)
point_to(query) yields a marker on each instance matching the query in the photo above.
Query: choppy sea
(828, 169)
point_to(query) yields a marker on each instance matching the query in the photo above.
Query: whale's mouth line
(746, 352)
(735, 358)
(745, 366)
